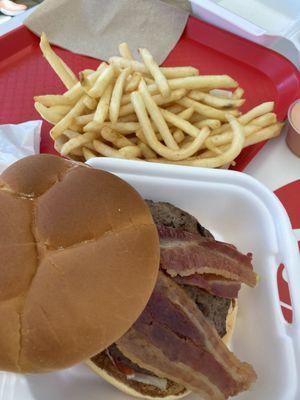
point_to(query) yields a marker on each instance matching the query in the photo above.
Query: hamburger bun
(79, 260)
(127, 389)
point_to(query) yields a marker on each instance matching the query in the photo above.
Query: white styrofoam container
(237, 209)
(262, 21)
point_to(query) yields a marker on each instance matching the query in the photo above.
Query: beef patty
(164, 213)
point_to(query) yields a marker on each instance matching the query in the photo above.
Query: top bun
(79, 260)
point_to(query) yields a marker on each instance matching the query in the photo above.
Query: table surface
(275, 166)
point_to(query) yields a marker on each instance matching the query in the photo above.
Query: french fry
(238, 93)
(198, 82)
(88, 154)
(148, 80)
(75, 127)
(76, 152)
(147, 152)
(226, 137)
(70, 134)
(124, 127)
(128, 118)
(225, 94)
(159, 100)
(93, 126)
(185, 114)
(264, 134)
(66, 75)
(50, 116)
(114, 137)
(133, 84)
(50, 100)
(264, 120)
(211, 123)
(84, 119)
(103, 105)
(106, 150)
(125, 51)
(87, 80)
(65, 122)
(179, 72)
(59, 142)
(156, 73)
(178, 136)
(157, 117)
(102, 82)
(130, 152)
(215, 101)
(61, 109)
(152, 140)
(77, 141)
(140, 135)
(89, 102)
(115, 101)
(175, 108)
(203, 109)
(180, 123)
(74, 93)
(121, 63)
(244, 119)
(168, 72)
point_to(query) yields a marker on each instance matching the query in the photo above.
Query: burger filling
(176, 342)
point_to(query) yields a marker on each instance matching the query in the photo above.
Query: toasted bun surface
(230, 324)
(79, 260)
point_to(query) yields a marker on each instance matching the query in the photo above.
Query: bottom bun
(126, 388)
(230, 324)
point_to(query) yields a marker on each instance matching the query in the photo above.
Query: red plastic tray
(264, 74)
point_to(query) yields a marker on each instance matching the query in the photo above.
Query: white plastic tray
(262, 21)
(239, 210)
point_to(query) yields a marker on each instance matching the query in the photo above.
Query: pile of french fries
(137, 110)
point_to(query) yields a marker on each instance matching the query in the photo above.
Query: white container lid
(263, 21)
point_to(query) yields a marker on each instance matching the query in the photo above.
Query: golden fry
(65, 122)
(47, 114)
(102, 82)
(180, 123)
(84, 119)
(106, 150)
(147, 152)
(156, 73)
(203, 109)
(50, 100)
(124, 51)
(134, 82)
(215, 101)
(157, 117)
(66, 75)
(77, 141)
(88, 154)
(115, 101)
(185, 114)
(103, 105)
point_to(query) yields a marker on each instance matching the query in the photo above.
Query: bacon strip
(173, 339)
(213, 284)
(184, 253)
